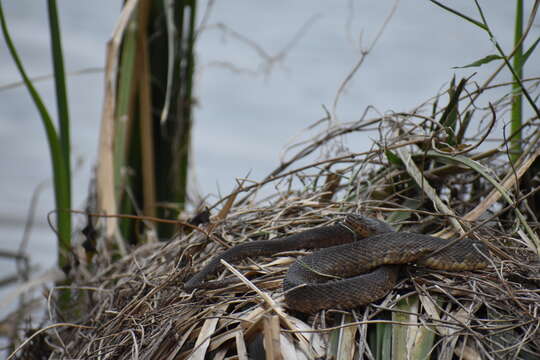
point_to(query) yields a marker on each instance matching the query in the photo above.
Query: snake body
(359, 262)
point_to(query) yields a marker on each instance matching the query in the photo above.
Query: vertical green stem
(59, 77)
(60, 173)
(63, 120)
(172, 135)
(515, 143)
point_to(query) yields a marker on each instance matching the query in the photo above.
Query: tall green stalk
(154, 114)
(517, 103)
(172, 134)
(58, 143)
(123, 125)
(60, 81)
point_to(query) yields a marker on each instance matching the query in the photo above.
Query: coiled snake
(339, 276)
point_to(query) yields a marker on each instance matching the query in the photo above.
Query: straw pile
(417, 177)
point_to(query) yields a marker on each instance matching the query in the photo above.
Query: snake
(358, 262)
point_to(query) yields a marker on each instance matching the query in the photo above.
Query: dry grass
(135, 307)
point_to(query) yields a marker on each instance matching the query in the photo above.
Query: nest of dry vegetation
(422, 175)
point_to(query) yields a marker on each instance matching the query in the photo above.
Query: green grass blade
(61, 89)
(517, 103)
(529, 51)
(126, 136)
(393, 158)
(480, 62)
(463, 126)
(60, 174)
(126, 83)
(449, 117)
(463, 16)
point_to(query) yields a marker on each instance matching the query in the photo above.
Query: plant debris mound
(425, 173)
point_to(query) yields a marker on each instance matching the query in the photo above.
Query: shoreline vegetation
(449, 167)
(411, 178)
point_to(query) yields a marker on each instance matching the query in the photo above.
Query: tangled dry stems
(136, 306)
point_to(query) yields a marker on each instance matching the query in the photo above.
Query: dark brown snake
(339, 276)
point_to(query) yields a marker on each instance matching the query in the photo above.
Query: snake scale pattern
(358, 263)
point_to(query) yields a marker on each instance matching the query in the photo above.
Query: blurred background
(265, 73)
